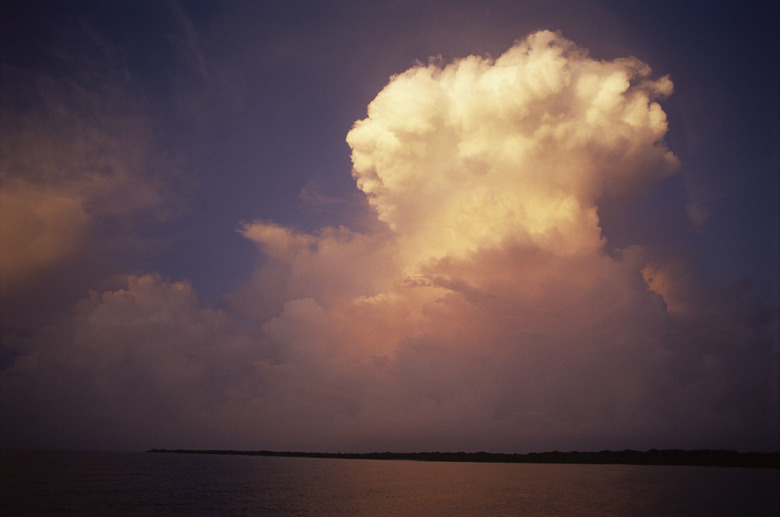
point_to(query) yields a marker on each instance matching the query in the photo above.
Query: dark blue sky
(138, 137)
(254, 100)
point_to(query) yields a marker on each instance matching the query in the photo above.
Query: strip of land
(702, 457)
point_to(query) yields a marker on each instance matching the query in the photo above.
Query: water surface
(124, 484)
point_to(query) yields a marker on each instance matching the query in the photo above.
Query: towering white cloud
(490, 311)
(521, 148)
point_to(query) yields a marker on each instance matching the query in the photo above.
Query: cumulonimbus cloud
(492, 309)
(522, 147)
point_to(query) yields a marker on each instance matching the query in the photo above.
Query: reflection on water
(78, 483)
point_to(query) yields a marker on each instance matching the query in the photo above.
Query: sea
(43, 483)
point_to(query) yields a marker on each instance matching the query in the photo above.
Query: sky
(505, 226)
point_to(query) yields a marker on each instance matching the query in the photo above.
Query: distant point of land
(701, 457)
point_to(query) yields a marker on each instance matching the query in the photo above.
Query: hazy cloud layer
(488, 313)
(74, 157)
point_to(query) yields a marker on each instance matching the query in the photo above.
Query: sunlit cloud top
(464, 156)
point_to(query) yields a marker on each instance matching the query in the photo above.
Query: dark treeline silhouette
(702, 457)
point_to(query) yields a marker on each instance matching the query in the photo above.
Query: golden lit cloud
(521, 148)
(489, 308)
(73, 158)
(38, 228)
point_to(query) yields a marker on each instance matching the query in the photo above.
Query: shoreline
(673, 457)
